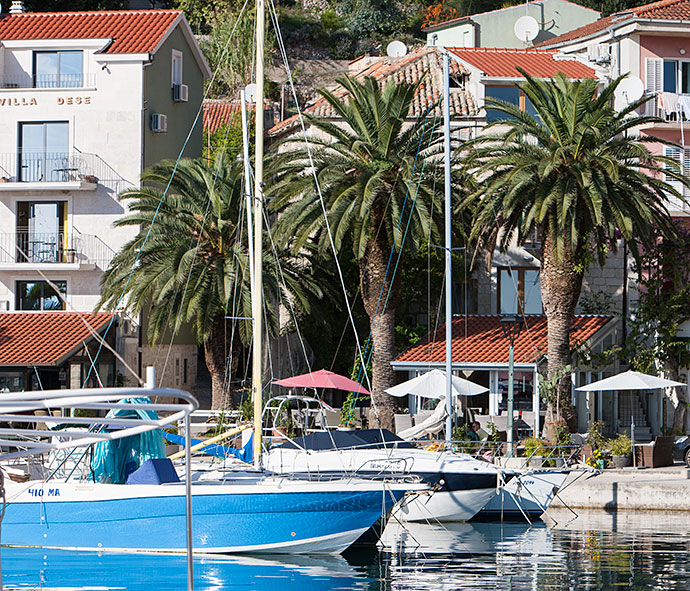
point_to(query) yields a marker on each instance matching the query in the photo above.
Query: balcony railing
(26, 247)
(54, 167)
(26, 80)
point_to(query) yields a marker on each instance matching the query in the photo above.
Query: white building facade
(87, 102)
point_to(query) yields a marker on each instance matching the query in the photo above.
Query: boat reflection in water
(458, 539)
(36, 568)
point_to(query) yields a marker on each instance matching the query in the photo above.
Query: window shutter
(675, 153)
(654, 82)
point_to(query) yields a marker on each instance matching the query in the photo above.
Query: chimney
(17, 7)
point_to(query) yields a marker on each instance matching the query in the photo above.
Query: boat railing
(25, 434)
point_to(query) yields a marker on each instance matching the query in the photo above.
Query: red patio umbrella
(322, 379)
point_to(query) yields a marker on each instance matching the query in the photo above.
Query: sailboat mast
(448, 250)
(257, 308)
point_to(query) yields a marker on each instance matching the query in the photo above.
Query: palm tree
(577, 174)
(371, 168)
(188, 262)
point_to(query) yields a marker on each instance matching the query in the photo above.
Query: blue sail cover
(245, 454)
(113, 461)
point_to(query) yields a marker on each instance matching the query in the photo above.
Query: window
(58, 69)
(41, 231)
(39, 295)
(44, 151)
(676, 76)
(176, 77)
(519, 291)
(509, 94)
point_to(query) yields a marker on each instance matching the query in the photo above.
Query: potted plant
(621, 451)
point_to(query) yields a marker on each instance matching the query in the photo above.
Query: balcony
(25, 250)
(48, 81)
(32, 171)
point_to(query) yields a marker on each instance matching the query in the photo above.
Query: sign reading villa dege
(29, 102)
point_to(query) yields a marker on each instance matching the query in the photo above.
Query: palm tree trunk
(375, 287)
(561, 283)
(216, 356)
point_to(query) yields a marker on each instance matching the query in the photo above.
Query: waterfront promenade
(642, 489)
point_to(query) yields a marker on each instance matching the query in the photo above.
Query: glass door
(44, 151)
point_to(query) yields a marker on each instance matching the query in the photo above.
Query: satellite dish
(396, 49)
(629, 90)
(526, 28)
(250, 93)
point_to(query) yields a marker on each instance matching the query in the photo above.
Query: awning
(46, 339)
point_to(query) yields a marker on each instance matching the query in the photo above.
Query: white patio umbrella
(433, 385)
(629, 380)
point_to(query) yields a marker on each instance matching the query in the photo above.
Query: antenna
(526, 28)
(250, 93)
(629, 90)
(396, 49)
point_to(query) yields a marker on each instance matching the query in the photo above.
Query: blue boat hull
(237, 521)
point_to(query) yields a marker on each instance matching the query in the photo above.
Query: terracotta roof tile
(425, 61)
(480, 339)
(218, 112)
(664, 10)
(44, 338)
(131, 31)
(502, 63)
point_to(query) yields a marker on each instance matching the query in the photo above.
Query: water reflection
(32, 568)
(594, 551)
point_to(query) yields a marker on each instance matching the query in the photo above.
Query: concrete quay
(641, 489)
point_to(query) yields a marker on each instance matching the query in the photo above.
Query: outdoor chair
(656, 454)
(402, 422)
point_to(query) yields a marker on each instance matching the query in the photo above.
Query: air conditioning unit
(180, 93)
(4, 305)
(159, 123)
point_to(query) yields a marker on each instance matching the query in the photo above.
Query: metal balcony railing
(24, 246)
(54, 167)
(26, 80)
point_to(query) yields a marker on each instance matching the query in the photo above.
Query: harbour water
(595, 551)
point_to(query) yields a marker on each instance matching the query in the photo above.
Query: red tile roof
(502, 63)
(131, 31)
(45, 338)
(425, 61)
(218, 112)
(480, 339)
(663, 10)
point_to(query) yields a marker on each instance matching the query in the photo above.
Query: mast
(257, 353)
(448, 249)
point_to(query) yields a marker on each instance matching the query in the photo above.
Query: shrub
(621, 445)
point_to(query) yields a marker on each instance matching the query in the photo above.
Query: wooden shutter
(654, 82)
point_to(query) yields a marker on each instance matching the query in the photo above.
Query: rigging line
(318, 187)
(196, 250)
(80, 315)
(165, 192)
(370, 352)
(290, 304)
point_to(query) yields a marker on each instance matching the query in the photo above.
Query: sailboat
(250, 512)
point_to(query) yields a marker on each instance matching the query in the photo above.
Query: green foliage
(372, 18)
(330, 21)
(347, 412)
(247, 409)
(534, 446)
(664, 305)
(232, 53)
(561, 434)
(595, 436)
(203, 15)
(620, 446)
(189, 261)
(548, 386)
(596, 302)
(227, 138)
